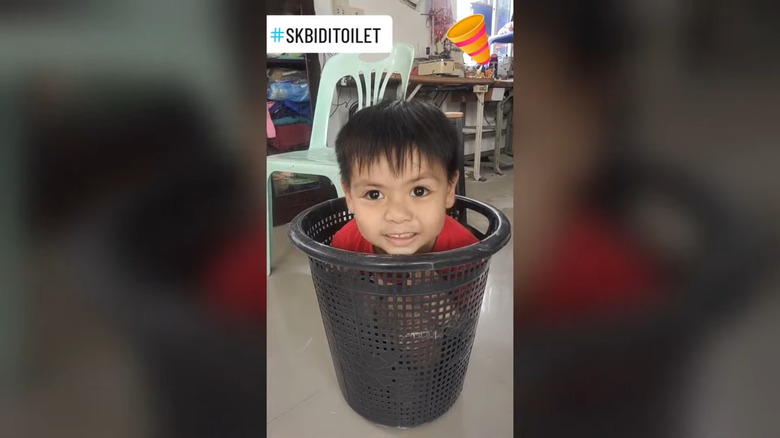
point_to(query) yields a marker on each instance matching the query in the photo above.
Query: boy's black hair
(394, 129)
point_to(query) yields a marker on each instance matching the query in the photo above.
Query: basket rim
(481, 250)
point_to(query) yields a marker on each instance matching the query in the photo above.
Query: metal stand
(479, 91)
(499, 136)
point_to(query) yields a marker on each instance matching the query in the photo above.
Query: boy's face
(400, 214)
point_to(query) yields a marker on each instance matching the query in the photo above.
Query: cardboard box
(495, 94)
(440, 67)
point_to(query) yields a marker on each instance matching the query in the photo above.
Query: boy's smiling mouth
(400, 239)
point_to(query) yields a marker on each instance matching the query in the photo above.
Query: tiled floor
(303, 395)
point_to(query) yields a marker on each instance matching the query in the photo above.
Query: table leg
(457, 120)
(478, 140)
(509, 127)
(497, 146)
(414, 92)
(460, 188)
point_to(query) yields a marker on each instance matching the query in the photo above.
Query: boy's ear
(451, 189)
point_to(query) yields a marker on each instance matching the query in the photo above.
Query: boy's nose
(398, 212)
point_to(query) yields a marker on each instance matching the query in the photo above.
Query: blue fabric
(302, 108)
(286, 90)
(502, 39)
(290, 120)
(288, 108)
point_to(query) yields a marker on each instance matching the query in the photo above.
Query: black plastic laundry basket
(400, 328)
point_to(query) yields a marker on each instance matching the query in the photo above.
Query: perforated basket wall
(400, 329)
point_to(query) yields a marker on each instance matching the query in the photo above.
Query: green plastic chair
(320, 159)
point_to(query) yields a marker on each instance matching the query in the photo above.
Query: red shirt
(453, 235)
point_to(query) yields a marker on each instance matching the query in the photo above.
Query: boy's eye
(419, 191)
(373, 195)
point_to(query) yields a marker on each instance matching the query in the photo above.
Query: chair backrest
(370, 88)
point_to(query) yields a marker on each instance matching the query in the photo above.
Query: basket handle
(462, 204)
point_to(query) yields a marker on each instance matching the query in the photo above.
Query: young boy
(399, 168)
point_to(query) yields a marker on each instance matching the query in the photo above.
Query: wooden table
(431, 79)
(480, 88)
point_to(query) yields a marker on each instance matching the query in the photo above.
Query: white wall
(408, 24)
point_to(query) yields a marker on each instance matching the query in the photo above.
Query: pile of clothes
(288, 112)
